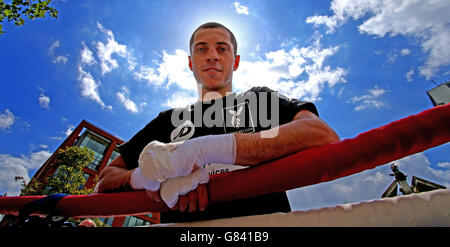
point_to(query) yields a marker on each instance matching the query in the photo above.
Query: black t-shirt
(255, 110)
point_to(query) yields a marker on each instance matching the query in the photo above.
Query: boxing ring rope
(375, 147)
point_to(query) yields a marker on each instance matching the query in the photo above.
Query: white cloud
(180, 99)
(392, 57)
(19, 166)
(366, 185)
(298, 72)
(444, 165)
(330, 21)
(173, 69)
(53, 46)
(66, 133)
(148, 74)
(106, 51)
(428, 22)
(378, 52)
(409, 75)
(87, 56)
(89, 87)
(142, 105)
(126, 102)
(7, 119)
(240, 9)
(69, 130)
(44, 101)
(418, 165)
(372, 99)
(394, 54)
(405, 52)
(59, 58)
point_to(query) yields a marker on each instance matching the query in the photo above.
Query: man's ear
(190, 62)
(237, 59)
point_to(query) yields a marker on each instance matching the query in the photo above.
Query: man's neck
(208, 95)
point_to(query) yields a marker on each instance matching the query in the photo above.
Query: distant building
(417, 184)
(440, 95)
(105, 150)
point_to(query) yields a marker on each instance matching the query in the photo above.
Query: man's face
(212, 60)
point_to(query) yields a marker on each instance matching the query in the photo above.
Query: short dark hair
(214, 25)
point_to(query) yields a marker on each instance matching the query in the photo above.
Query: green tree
(16, 10)
(68, 177)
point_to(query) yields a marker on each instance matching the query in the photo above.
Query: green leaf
(8, 12)
(20, 22)
(32, 9)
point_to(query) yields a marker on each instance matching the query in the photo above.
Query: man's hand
(173, 188)
(194, 200)
(159, 161)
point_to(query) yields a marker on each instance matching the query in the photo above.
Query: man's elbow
(324, 134)
(329, 136)
(321, 132)
(332, 138)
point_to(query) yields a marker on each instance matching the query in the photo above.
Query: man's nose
(212, 55)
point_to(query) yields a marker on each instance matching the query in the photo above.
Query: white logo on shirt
(235, 121)
(183, 132)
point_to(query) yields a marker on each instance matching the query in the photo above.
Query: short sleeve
(131, 149)
(289, 107)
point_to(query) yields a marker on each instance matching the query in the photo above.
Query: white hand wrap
(159, 161)
(174, 187)
(138, 181)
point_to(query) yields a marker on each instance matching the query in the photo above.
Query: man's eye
(201, 49)
(223, 49)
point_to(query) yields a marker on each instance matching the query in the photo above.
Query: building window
(114, 155)
(134, 221)
(108, 221)
(97, 145)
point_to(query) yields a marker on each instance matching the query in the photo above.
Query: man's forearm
(292, 137)
(114, 178)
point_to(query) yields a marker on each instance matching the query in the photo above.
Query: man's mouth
(212, 69)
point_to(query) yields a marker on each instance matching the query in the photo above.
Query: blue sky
(117, 64)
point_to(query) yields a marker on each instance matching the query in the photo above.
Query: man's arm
(115, 177)
(304, 131)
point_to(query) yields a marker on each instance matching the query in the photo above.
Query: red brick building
(105, 149)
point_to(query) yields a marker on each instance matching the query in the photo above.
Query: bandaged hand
(159, 161)
(172, 188)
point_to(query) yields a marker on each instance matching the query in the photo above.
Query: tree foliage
(68, 177)
(16, 10)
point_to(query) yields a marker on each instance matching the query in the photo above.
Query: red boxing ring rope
(375, 147)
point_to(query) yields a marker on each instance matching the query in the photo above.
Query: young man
(173, 156)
